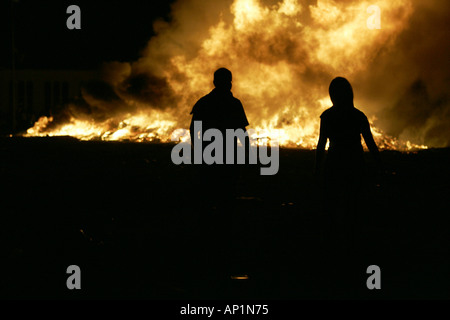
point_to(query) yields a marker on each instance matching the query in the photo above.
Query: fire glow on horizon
(283, 56)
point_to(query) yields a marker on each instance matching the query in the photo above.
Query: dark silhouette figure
(215, 184)
(344, 167)
(218, 110)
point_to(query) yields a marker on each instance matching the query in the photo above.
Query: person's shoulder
(199, 105)
(360, 114)
(233, 101)
(206, 98)
(236, 101)
(327, 113)
(209, 98)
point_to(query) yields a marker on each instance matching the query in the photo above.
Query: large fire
(283, 56)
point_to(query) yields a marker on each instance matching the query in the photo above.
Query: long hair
(341, 92)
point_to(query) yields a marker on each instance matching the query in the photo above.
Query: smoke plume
(283, 55)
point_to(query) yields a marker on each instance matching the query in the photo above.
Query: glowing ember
(282, 56)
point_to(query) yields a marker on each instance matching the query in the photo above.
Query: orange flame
(282, 57)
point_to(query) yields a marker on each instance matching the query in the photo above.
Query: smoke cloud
(283, 55)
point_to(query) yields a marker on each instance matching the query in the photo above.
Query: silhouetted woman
(344, 168)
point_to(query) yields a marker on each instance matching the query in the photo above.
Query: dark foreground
(128, 218)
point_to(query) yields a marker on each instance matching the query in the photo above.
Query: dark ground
(126, 216)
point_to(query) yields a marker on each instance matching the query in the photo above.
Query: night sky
(110, 31)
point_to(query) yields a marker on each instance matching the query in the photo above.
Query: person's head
(341, 92)
(222, 79)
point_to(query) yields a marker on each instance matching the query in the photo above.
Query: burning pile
(283, 56)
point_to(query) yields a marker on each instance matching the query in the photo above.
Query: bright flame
(138, 127)
(282, 56)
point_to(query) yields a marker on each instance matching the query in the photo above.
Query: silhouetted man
(215, 184)
(218, 110)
